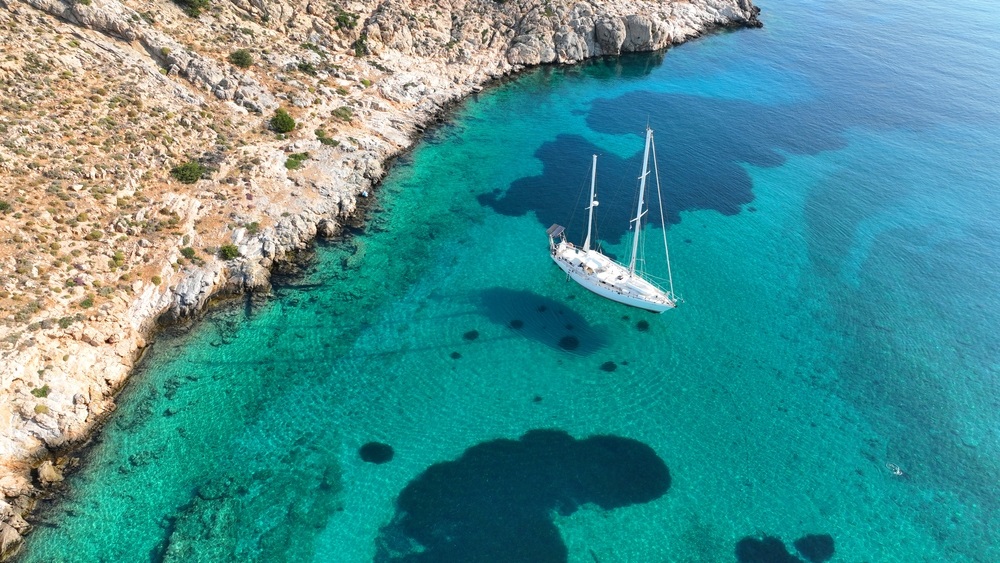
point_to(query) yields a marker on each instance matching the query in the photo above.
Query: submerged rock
(376, 452)
(816, 548)
(498, 499)
(569, 343)
(768, 549)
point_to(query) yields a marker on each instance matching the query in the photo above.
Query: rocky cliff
(141, 171)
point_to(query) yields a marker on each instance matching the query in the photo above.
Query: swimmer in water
(895, 470)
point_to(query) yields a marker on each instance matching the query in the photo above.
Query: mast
(593, 204)
(642, 193)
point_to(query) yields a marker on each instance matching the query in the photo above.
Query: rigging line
(614, 198)
(579, 195)
(663, 220)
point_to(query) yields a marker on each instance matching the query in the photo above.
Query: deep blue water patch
(495, 502)
(540, 318)
(768, 549)
(815, 548)
(569, 342)
(376, 452)
(559, 195)
(703, 144)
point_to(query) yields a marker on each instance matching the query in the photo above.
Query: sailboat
(600, 274)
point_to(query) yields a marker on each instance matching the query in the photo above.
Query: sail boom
(644, 211)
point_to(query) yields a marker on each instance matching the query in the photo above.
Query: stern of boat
(555, 232)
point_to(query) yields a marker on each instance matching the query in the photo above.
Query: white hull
(610, 280)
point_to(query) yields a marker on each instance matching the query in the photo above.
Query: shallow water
(831, 182)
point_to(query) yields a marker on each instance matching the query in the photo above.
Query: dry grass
(89, 138)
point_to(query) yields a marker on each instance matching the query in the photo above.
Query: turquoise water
(832, 191)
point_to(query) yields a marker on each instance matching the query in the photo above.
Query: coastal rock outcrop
(167, 184)
(48, 473)
(193, 291)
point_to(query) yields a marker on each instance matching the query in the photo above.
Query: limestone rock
(193, 291)
(641, 34)
(10, 540)
(610, 34)
(249, 276)
(327, 228)
(48, 473)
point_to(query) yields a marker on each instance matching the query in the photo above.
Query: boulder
(610, 34)
(249, 276)
(10, 540)
(48, 473)
(327, 228)
(640, 34)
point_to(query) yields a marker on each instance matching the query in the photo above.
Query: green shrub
(41, 409)
(253, 228)
(4, 207)
(361, 45)
(118, 260)
(295, 160)
(156, 280)
(187, 252)
(241, 58)
(307, 67)
(64, 322)
(41, 392)
(193, 8)
(346, 20)
(282, 122)
(321, 135)
(94, 235)
(189, 172)
(229, 251)
(88, 302)
(344, 113)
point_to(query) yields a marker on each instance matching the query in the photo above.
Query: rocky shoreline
(102, 244)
